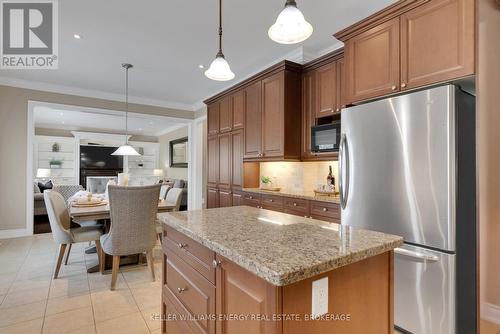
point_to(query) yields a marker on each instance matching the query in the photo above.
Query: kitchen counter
(280, 248)
(309, 195)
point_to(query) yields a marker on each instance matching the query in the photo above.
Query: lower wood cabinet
(225, 198)
(212, 198)
(237, 198)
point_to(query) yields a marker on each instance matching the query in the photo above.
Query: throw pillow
(179, 183)
(45, 186)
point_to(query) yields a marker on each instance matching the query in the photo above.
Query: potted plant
(267, 183)
(54, 163)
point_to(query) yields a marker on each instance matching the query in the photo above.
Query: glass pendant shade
(219, 70)
(291, 27)
(125, 150)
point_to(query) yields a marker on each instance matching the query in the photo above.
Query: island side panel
(362, 290)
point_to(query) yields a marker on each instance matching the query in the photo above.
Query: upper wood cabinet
(212, 198)
(225, 161)
(409, 44)
(237, 145)
(372, 62)
(437, 42)
(253, 120)
(226, 114)
(272, 115)
(213, 118)
(213, 161)
(238, 110)
(307, 113)
(327, 86)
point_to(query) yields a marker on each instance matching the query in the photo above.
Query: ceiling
(167, 40)
(94, 120)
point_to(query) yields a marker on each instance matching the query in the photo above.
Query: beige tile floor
(77, 302)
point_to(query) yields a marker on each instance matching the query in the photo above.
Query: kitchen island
(247, 270)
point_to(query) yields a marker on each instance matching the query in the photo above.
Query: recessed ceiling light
(201, 66)
(77, 36)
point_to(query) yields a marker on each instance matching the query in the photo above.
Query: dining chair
(133, 213)
(174, 197)
(164, 191)
(60, 224)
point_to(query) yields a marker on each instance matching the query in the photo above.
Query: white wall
(164, 140)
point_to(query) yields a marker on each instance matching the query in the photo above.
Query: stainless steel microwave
(325, 138)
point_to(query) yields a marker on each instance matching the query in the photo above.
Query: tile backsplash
(299, 176)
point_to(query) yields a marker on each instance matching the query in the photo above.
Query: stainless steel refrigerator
(407, 167)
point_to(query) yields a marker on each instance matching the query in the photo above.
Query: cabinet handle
(325, 209)
(251, 197)
(216, 263)
(394, 87)
(403, 85)
(181, 290)
(271, 200)
(337, 110)
(294, 204)
(181, 245)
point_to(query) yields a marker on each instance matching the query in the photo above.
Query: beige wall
(488, 119)
(170, 172)
(13, 142)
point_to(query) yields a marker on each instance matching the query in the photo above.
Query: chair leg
(67, 255)
(100, 255)
(62, 249)
(114, 272)
(151, 264)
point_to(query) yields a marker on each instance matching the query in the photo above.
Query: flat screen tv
(99, 157)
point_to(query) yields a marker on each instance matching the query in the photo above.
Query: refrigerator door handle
(343, 155)
(416, 255)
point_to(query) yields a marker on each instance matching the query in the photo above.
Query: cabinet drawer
(175, 313)
(251, 199)
(297, 205)
(296, 213)
(329, 210)
(197, 256)
(272, 202)
(192, 290)
(326, 219)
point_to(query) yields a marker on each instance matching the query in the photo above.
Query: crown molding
(62, 89)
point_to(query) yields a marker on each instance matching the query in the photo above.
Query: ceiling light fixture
(290, 27)
(76, 36)
(219, 70)
(126, 149)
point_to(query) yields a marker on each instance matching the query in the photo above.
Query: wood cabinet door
(273, 115)
(226, 114)
(213, 118)
(225, 161)
(326, 90)
(437, 42)
(225, 198)
(237, 199)
(237, 144)
(240, 292)
(213, 161)
(372, 62)
(238, 110)
(308, 117)
(341, 84)
(253, 120)
(212, 198)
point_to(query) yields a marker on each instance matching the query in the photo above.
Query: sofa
(179, 183)
(66, 191)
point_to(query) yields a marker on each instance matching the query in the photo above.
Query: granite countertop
(310, 195)
(280, 248)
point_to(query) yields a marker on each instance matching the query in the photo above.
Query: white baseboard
(16, 233)
(490, 312)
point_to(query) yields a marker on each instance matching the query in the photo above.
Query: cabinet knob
(216, 263)
(403, 85)
(271, 200)
(181, 245)
(325, 209)
(394, 87)
(294, 204)
(181, 290)
(251, 197)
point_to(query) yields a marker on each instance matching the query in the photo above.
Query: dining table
(102, 212)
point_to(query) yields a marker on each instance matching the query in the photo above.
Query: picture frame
(178, 152)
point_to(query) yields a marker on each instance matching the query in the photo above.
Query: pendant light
(126, 149)
(219, 70)
(290, 27)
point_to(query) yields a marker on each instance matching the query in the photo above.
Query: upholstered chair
(174, 197)
(133, 213)
(164, 191)
(62, 233)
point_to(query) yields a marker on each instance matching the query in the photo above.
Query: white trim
(15, 233)
(62, 89)
(195, 165)
(191, 160)
(490, 312)
(30, 133)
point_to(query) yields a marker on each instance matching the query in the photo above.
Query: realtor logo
(29, 38)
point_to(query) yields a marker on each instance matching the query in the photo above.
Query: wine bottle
(330, 180)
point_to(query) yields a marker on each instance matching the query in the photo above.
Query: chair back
(164, 190)
(67, 190)
(59, 218)
(133, 213)
(174, 196)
